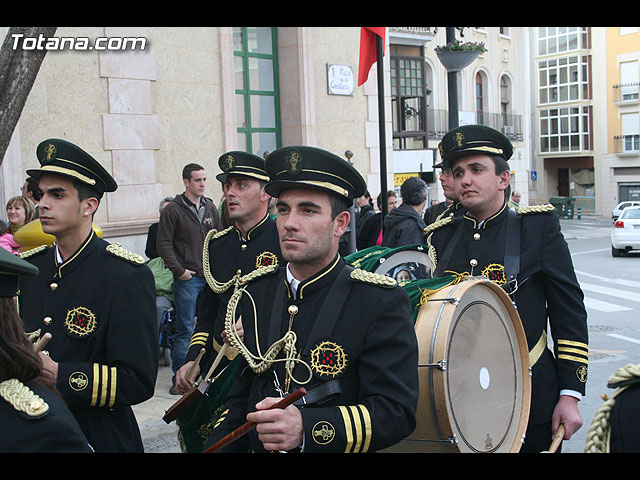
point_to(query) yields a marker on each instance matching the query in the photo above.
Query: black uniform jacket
(100, 309)
(54, 431)
(355, 335)
(229, 254)
(547, 290)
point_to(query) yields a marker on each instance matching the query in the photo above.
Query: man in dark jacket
(97, 301)
(184, 224)
(404, 225)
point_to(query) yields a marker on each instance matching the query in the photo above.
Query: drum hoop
(431, 360)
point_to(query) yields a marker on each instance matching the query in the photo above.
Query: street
(611, 288)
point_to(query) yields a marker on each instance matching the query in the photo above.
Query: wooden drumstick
(248, 426)
(195, 393)
(42, 341)
(195, 364)
(217, 361)
(557, 439)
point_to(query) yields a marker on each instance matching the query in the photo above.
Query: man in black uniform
(526, 254)
(344, 335)
(33, 417)
(95, 298)
(231, 254)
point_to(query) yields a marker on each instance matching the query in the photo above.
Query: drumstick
(39, 345)
(217, 361)
(248, 426)
(195, 393)
(195, 364)
(557, 439)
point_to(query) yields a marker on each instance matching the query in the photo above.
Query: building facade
(619, 172)
(193, 93)
(189, 95)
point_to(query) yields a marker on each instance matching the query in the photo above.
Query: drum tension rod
(441, 365)
(454, 300)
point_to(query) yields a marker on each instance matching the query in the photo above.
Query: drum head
(481, 396)
(405, 264)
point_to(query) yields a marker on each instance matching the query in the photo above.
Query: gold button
(476, 236)
(293, 309)
(243, 247)
(473, 262)
(53, 287)
(37, 405)
(47, 320)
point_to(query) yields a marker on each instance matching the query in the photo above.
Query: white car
(625, 235)
(621, 206)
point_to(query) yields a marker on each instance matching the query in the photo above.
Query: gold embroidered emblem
(495, 273)
(459, 137)
(323, 432)
(78, 381)
(266, 259)
(581, 372)
(80, 322)
(50, 151)
(230, 162)
(295, 163)
(328, 358)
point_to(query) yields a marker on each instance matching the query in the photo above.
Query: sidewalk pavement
(157, 435)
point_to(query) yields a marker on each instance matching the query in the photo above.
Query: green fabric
(417, 288)
(163, 277)
(369, 258)
(197, 421)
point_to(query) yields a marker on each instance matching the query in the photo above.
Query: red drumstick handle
(247, 427)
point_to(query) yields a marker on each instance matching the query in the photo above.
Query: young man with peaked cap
(344, 335)
(526, 254)
(231, 254)
(96, 299)
(183, 226)
(33, 417)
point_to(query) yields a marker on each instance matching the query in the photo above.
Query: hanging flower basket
(457, 55)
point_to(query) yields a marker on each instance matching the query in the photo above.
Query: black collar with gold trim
(82, 252)
(260, 227)
(320, 280)
(494, 219)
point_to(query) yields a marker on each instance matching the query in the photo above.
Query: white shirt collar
(293, 282)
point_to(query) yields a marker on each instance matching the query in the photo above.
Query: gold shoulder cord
(599, 435)
(22, 398)
(428, 232)
(215, 285)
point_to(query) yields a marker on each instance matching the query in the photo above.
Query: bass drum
(475, 385)
(404, 264)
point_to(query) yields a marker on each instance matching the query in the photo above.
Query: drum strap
(512, 251)
(442, 264)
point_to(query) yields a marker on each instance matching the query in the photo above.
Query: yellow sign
(400, 178)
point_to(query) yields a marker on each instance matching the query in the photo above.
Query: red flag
(368, 52)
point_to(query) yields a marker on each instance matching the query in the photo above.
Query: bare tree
(18, 71)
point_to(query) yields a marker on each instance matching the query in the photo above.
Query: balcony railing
(626, 92)
(627, 144)
(510, 125)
